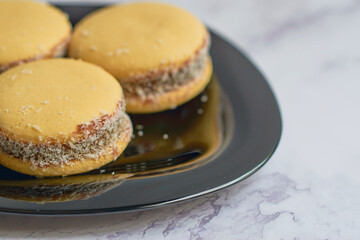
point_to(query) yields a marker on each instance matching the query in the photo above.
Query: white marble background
(310, 52)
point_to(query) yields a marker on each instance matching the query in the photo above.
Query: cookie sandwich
(158, 52)
(30, 31)
(60, 117)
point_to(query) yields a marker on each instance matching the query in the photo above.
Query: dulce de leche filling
(96, 139)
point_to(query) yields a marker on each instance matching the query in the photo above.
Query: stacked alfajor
(31, 30)
(61, 117)
(158, 52)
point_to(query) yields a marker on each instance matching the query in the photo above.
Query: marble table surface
(310, 53)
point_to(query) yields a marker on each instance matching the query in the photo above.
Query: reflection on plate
(60, 189)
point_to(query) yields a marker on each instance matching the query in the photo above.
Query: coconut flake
(159, 41)
(37, 128)
(204, 98)
(85, 33)
(25, 108)
(139, 127)
(121, 51)
(26, 71)
(13, 77)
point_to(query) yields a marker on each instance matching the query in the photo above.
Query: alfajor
(30, 31)
(60, 117)
(158, 52)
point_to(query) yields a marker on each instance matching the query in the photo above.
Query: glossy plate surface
(217, 139)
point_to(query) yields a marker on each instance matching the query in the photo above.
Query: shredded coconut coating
(97, 137)
(170, 80)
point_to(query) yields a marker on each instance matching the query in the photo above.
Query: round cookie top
(50, 98)
(135, 38)
(28, 29)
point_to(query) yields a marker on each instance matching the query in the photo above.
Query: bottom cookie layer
(172, 99)
(74, 167)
